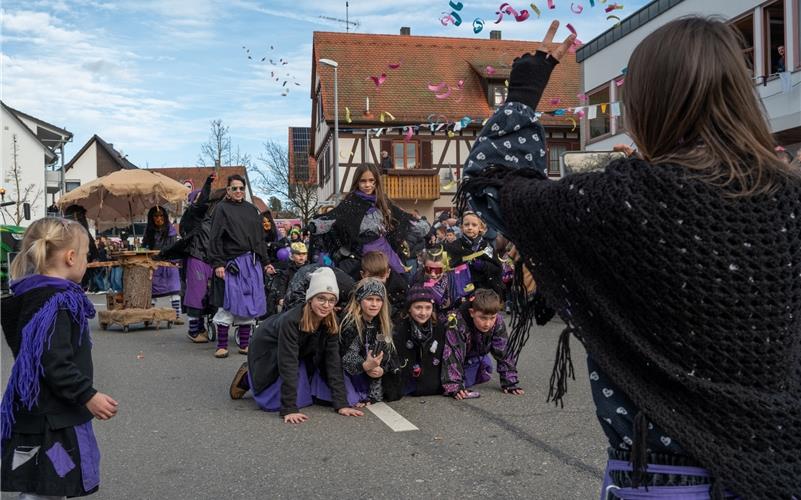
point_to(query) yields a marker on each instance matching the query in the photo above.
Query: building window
(497, 94)
(619, 89)
(774, 44)
(319, 108)
(600, 125)
(745, 25)
(70, 185)
(405, 154)
(555, 152)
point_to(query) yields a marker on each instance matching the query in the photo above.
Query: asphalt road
(178, 435)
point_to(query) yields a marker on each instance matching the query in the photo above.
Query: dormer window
(496, 92)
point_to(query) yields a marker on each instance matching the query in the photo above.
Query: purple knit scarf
(27, 370)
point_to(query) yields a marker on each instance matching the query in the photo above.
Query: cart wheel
(125, 328)
(148, 324)
(211, 328)
(104, 326)
(169, 325)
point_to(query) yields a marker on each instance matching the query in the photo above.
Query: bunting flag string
(438, 122)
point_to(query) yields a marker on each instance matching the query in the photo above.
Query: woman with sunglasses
(295, 356)
(238, 255)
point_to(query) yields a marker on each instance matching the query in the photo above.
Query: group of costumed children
(363, 329)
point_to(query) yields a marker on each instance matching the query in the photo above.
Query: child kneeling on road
(294, 356)
(420, 338)
(476, 331)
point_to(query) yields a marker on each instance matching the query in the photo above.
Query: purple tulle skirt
(270, 398)
(166, 281)
(198, 274)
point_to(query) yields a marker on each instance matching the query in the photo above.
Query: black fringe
(562, 369)
(523, 314)
(639, 450)
(492, 176)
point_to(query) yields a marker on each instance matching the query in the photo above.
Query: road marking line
(393, 419)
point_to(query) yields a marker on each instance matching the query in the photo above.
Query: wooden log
(137, 287)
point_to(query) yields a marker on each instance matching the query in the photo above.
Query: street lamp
(333, 64)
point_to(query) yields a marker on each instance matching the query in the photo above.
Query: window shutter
(426, 159)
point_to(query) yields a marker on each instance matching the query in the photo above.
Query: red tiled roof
(259, 204)
(198, 175)
(426, 60)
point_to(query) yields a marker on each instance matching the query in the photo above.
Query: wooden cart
(133, 305)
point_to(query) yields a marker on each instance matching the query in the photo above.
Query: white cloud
(81, 81)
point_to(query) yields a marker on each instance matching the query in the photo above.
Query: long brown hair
(690, 101)
(381, 200)
(307, 322)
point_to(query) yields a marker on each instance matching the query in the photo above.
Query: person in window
(677, 268)
(779, 66)
(386, 161)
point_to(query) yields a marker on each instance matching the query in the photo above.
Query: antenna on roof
(347, 22)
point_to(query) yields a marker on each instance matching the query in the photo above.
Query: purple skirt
(477, 370)
(198, 274)
(383, 246)
(270, 398)
(697, 492)
(357, 388)
(166, 281)
(244, 292)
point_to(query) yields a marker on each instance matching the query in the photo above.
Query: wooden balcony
(412, 184)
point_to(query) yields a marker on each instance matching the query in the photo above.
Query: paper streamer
(614, 17)
(444, 95)
(618, 83)
(464, 122)
(478, 25)
(408, 136)
(582, 97)
(592, 3)
(507, 9)
(347, 115)
(535, 9)
(577, 9)
(571, 29)
(551, 4)
(378, 80)
(490, 71)
(456, 6)
(437, 88)
(574, 124)
(452, 18)
(609, 8)
(394, 65)
(555, 101)
(384, 114)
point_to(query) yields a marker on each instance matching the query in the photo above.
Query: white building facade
(765, 26)
(30, 164)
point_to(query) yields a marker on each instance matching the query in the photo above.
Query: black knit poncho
(690, 301)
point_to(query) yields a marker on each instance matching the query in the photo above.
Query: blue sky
(149, 75)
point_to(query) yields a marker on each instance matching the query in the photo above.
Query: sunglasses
(433, 270)
(236, 188)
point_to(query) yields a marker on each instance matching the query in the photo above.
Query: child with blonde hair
(48, 445)
(367, 350)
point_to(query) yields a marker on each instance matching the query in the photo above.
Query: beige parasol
(115, 199)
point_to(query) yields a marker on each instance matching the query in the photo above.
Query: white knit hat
(322, 280)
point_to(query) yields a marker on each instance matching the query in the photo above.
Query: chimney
(495, 35)
(405, 30)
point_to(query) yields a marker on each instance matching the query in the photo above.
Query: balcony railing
(412, 184)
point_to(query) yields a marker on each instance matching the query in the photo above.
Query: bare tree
(272, 177)
(22, 194)
(218, 150)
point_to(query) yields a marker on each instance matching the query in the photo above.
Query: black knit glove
(530, 75)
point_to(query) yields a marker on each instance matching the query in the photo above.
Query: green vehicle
(10, 242)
